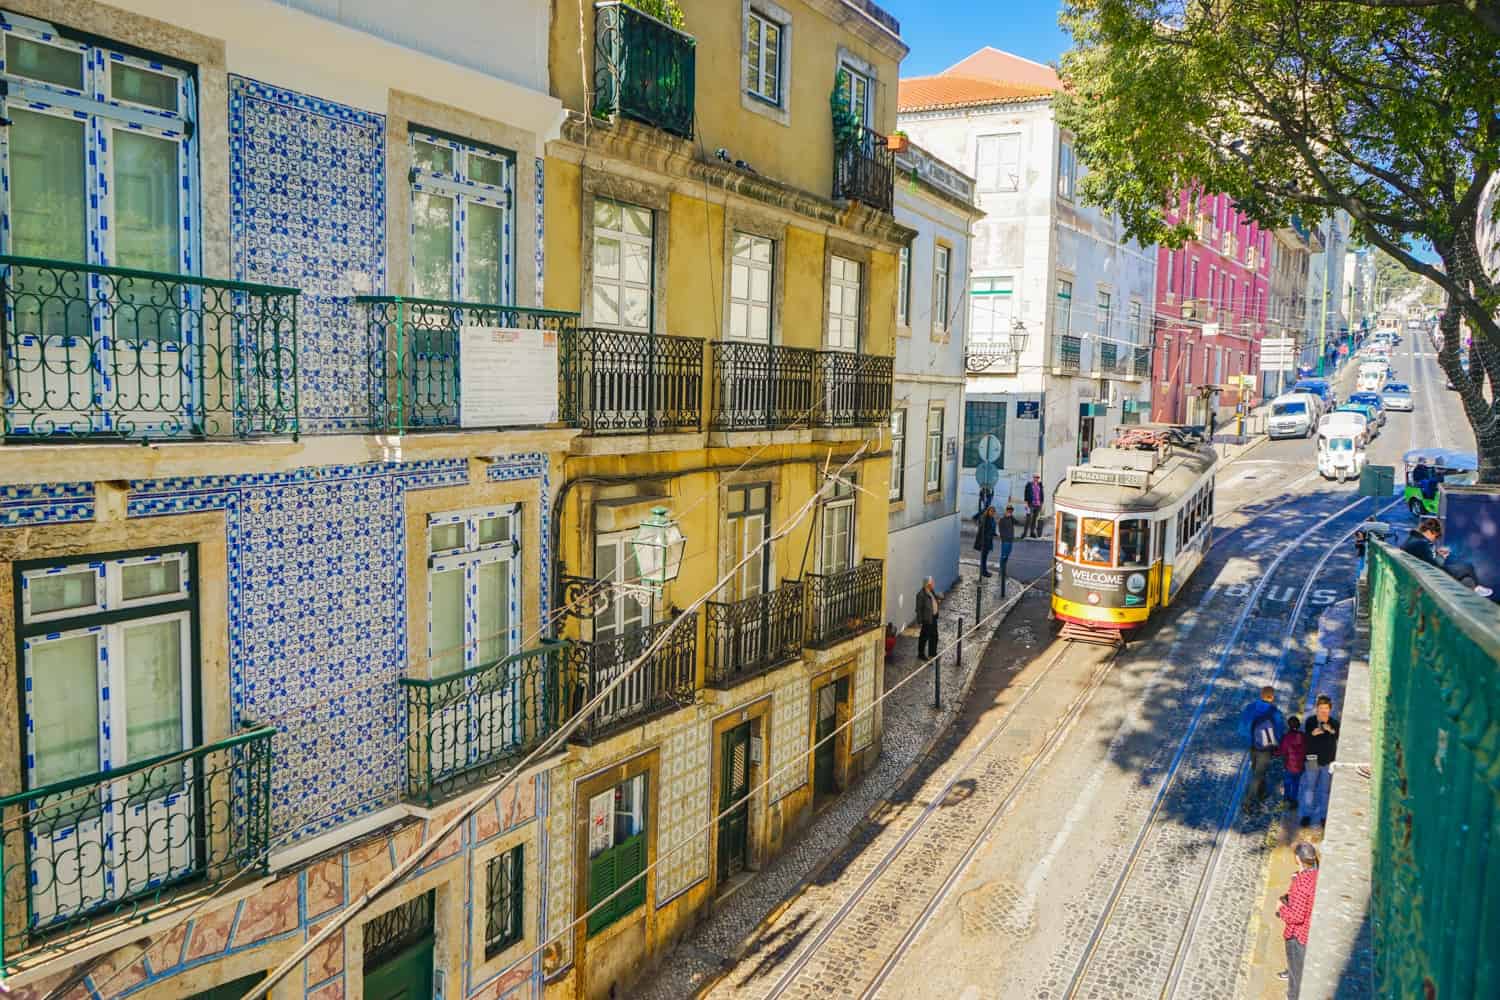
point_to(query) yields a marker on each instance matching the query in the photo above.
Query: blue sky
(941, 32)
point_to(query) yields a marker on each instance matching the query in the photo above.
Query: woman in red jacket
(1295, 913)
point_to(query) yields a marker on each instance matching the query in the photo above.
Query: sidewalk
(911, 726)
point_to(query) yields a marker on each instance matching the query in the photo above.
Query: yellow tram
(1131, 527)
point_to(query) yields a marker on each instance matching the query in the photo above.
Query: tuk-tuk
(1428, 468)
(1341, 452)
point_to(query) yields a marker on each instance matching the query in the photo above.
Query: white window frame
(1104, 304)
(613, 621)
(997, 162)
(864, 112)
(942, 277)
(903, 287)
(1067, 169)
(743, 271)
(469, 557)
(840, 320)
(986, 324)
(839, 508)
(464, 191)
(934, 453)
(621, 283)
(1134, 314)
(898, 454)
(755, 79)
(1062, 296)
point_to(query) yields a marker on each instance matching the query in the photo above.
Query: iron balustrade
(1112, 360)
(843, 605)
(116, 845)
(465, 728)
(864, 169)
(667, 679)
(854, 390)
(1142, 363)
(1067, 353)
(416, 369)
(750, 636)
(643, 69)
(95, 351)
(762, 386)
(615, 382)
(988, 356)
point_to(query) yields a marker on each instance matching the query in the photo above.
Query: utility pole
(1323, 322)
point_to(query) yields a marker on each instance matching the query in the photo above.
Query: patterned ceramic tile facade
(558, 910)
(541, 182)
(789, 721)
(683, 808)
(307, 209)
(46, 503)
(532, 465)
(864, 697)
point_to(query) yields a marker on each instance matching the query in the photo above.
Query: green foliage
(665, 11)
(845, 123)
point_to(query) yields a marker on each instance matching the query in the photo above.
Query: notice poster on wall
(508, 377)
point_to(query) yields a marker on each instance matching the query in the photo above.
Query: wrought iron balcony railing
(998, 359)
(643, 69)
(854, 390)
(667, 679)
(417, 372)
(111, 352)
(615, 382)
(110, 847)
(864, 169)
(842, 605)
(466, 727)
(749, 637)
(762, 386)
(1141, 367)
(1067, 353)
(1111, 359)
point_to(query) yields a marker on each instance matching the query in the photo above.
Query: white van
(1372, 376)
(1293, 415)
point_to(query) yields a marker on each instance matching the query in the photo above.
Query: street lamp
(1018, 337)
(659, 544)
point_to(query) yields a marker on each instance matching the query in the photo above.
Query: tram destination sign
(1109, 477)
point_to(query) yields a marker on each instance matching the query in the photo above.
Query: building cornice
(851, 15)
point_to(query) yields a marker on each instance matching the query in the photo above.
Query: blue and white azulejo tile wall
(307, 209)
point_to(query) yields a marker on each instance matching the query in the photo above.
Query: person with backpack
(1263, 726)
(1293, 753)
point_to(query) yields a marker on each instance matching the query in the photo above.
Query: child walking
(1293, 754)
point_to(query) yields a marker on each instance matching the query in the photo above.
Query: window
(1064, 306)
(472, 590)
(836, 553)
(998, 162)
(941, 262)
(1213, 285)
(1166, 359)
(1192, 288)
(1067, 534)
(107, 662)
(504, 897)
(1135, 319)
(983, 419)
(903, 288)
(617, 851)
(622, 265)
(1104, 309)
(843, 303)
(1067, 170)
(750, 288)
(1171, 271)
(934, 449)
(1135, 542)
(1098, 541)
(748, 509)
(990, 311)
(898, 454)
(615, 561)
(854, 87)
(763, 56)
(461, 220)
(1229, 292)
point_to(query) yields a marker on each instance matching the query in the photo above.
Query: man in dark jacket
(1422, 542)
(984, 539)
(1262, 725)
(927, 609)
(1006, 528)
(1322, 748)
(1034, 499)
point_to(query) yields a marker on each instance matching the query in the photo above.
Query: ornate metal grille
(643, 69)
(842, 605)
(864, 170)
(1067, 352)
(667, 679)
(854, 390)
(1142, 364)
(751, 636)
(762, 386)
(631, 383)
(394, 931)
(504, 895)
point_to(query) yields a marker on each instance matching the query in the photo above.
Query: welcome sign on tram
(1086, 586)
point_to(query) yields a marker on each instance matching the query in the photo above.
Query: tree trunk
(1478, 385)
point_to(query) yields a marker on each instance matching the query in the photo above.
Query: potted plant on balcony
(897, 142)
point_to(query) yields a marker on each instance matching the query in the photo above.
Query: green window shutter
(632, 862)
(603, 880)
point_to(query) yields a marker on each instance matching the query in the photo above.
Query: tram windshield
(1098, 540)
(1067, 534)
(1135, 542)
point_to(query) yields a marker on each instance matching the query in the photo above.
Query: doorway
(734, 788)
(398, 952)
(1085, 439)
(831, 702)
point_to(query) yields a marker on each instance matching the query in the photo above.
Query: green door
(398, 952)
(825, 758)
(734, 785)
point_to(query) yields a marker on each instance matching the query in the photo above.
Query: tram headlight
(1135, 583)
(1093, 598)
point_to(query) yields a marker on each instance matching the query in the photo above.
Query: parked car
(1396, 396)
(1368, 412)
(1319, 387)
(1293, 415)
(1371, 399)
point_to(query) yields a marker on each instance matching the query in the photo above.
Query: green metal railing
(417, 364)
(115, 845)
(466, 727)
(112, 352)
(1435, 738)
(643, 69)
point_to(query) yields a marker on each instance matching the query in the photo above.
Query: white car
(1396, 396)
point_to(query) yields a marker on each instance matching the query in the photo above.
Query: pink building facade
(1210, 316)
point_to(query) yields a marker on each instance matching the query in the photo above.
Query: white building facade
(932, 316)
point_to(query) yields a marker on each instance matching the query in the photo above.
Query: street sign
(989, 448)
(1028, 409)
(1278, 354)
(986, 474)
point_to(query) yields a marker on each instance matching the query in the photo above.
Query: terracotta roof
(921, 93)
(991, 64)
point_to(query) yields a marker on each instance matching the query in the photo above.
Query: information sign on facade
(508, 377)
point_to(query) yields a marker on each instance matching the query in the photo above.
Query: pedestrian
(986, 497)
(1322, 749)
(1213, 423)
(1422, 541)
(1296, 914)
(1034, 499)
(1006, 527)
(984, 540)
(927, 609)
(1262, 724)
(1293, 754)
(1360, 541)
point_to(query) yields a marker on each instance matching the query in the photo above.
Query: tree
(1384, 108)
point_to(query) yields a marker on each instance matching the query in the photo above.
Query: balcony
(114, 846)
(992, 358)
(465, 728)
(845, 604)
(1111, 359)
(419, 375)
(643, 69)
(863, 167)
(853, 390)
(111, 353)
(1141, 367)
(667, 680)
(746, 638)
(1067, 353)
(615, 382)
(762, 386)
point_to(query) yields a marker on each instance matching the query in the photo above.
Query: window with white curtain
(998, 162)
(622, 280)
(991, 310)
(462, 220)
(750, 287)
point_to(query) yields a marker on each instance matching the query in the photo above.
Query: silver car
(1396, 396)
